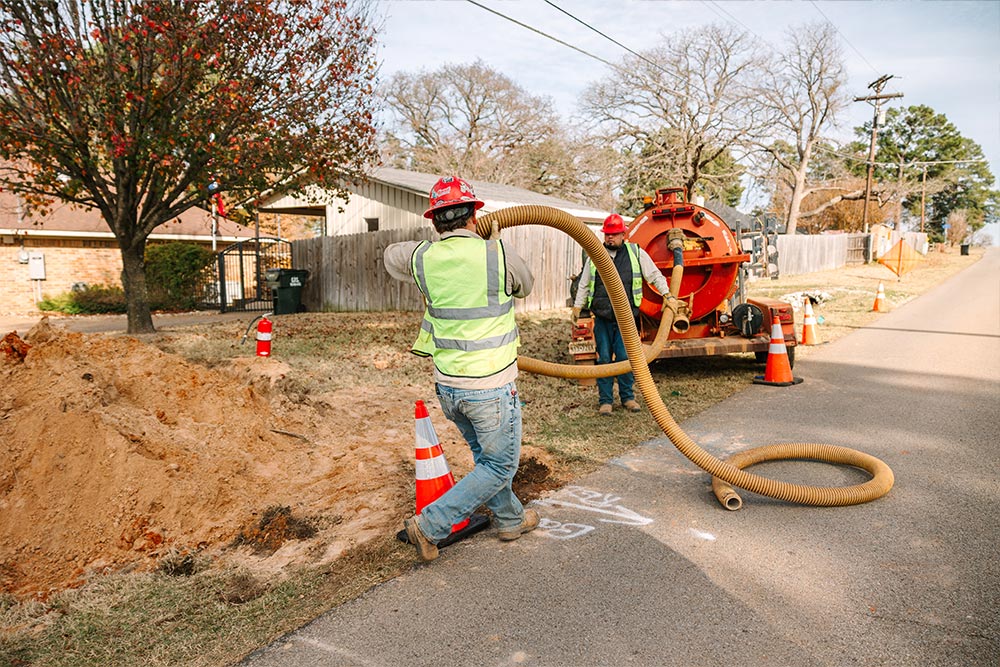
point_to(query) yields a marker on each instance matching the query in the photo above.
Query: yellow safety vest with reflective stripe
(470, 331)
(633, 254)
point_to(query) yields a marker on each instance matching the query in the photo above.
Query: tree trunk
(140, 318)
(798, 194)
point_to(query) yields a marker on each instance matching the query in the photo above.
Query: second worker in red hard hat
(469, 284)
(634, 265)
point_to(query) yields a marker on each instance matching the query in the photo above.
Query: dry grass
(197, 615)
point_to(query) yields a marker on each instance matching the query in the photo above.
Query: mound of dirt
(116, 455)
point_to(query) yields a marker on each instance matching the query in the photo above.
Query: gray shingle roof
(494, 195)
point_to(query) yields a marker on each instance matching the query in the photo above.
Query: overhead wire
(844, 37)
(614, 41)
(720, 11)
(571, 46)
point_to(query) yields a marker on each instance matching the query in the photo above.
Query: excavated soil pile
(115, 454)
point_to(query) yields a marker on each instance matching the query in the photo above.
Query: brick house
(44, 256)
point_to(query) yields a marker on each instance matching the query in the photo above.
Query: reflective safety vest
(468, 324)
(633, 254)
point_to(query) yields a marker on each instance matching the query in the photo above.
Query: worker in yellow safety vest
(469, 284)
(633, 265)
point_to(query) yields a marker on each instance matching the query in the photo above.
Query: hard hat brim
(429, 213)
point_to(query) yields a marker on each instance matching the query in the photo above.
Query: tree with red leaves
(135, 107)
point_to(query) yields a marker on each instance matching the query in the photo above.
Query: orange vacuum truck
(719, 317)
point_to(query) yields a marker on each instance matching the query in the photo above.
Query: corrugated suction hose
(726, 474)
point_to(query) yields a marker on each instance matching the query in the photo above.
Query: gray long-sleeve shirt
(519, 282)
(650, 273)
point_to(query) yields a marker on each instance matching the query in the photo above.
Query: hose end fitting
(675, 239)
(681, 320)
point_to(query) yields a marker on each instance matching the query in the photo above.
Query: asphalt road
(639, 565)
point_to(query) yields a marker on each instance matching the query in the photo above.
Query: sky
(943, 54)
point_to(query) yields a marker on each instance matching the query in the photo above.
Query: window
(372, 224)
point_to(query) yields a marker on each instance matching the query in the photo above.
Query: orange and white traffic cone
(778, 371)
(434, 478)
(879, 305)
(809, 336)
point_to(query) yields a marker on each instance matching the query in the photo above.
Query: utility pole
(876, 101)
(923, 198)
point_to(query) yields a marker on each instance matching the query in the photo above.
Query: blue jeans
(611, 348)
(490, 421)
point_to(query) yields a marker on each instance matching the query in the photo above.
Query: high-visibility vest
(633, 254)
(468, 324)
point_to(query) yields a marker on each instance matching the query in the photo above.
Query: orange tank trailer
(722, 322)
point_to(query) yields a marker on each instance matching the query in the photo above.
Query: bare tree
(673, 110)
(475, 121)
(802, 91)
(958, 226)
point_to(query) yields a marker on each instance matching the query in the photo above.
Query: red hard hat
(449, 191)
(613, 224)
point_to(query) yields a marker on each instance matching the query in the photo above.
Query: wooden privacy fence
(799, 253)
(346, 273)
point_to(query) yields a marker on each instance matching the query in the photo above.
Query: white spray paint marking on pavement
(702, 534)
(335, 650)
(563, 531)
(577, 497)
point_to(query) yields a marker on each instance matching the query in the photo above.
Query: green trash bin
(286, 289)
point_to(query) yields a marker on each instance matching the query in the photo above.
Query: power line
(570, 46)
(543, 34)
(711, 4)
(895, 164)
(614, 41)
(844, 37)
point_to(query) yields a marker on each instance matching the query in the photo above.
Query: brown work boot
(605, 410)
(426, 549)
(631, 405)
(528, 524)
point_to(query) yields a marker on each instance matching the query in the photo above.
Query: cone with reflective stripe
(778, 371)
(809, 336)
(879, 305)
(434, 478)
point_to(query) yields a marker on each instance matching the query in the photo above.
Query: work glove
(576, 313)
(495, 230)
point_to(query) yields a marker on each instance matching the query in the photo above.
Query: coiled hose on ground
(725, 474)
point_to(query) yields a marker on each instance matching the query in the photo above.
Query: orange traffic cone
(434, 478)
(809, 336)
(778, 371)
(879, 305)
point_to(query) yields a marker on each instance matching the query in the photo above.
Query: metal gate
(237, 282)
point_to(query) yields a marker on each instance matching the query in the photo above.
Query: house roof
(65, 220)
(730, 215)
(494, 195)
